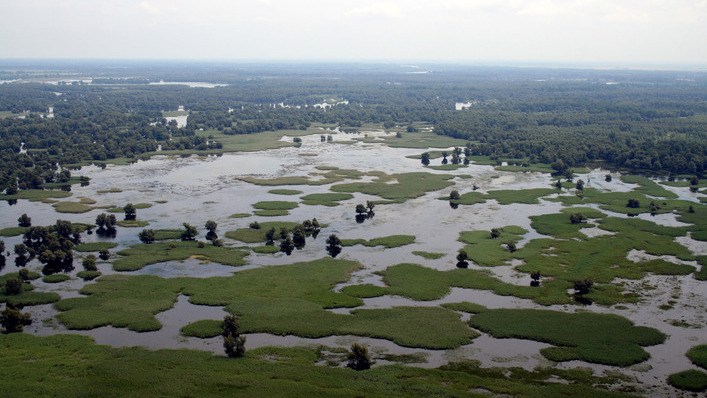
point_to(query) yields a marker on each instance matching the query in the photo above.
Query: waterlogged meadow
(591, 291)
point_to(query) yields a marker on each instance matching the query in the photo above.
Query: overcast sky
(589, 32)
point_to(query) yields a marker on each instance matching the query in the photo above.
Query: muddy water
(196, 189)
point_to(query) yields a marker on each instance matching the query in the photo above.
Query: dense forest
(650, 122)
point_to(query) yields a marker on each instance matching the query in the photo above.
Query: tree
(270, 237)
(607, 178)
(211, 228)
(13, 320)
(89, 263)
(106, 222)
(286, 245)
(462, 256)
(360, 209)
(633, 204)
(298, 237)
(583, 286)
(495, 233)
(254, 225)
(579, 185)
(577, 218)
(359, 359)
(535, 276)
(147, 236)
(694, 180)
(370, 205)
(13, 287)
(333, 245)
(189, 232)
(454, 195)
(558, 184)
(511, 246)
(24, 221)
(130, 211)
(425, 158)
(104, 255)
(233, 342)
(444, 157)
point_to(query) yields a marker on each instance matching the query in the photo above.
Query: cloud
(386, 9)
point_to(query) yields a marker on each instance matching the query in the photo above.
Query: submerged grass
(325, 199)
(138, 256)
(94, 246)
(387, 241)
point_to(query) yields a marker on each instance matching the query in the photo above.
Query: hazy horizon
(584, 33)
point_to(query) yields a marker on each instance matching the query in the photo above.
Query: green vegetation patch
(110, 190)
(648, 187)
(560, 225)
(398, 187)
(698, 355)
(94, 246)
(447, 167)
(325, 199)
(72, 207)
(364, 291)
(420, 140)
(13, 231)
(56, 278)
(290, 299)
(36, 195)
(484, 250)
(271, 213)
(275, 205)
(284, 192)
(328, 175)
(203, 329)
(504, 197)
(689, 380)
(597, 338)
(265, 249)
(250, 235)
(240, 215)
(387, 241)
(132, 223)
(168, 234)
(138, 256)
(470, 308)
(73, 365)
(88, 275)
(137, 206)
(429, 255)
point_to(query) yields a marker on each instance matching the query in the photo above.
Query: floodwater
(190, 84)
(195, 189)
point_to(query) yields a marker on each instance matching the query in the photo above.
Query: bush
(359, 359)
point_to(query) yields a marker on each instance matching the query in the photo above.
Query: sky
(588, 32)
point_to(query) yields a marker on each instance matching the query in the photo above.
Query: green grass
(110, 190)
(388, 242)
(648, 187)
(363, 291)
(486, 251)
(420, 139)
(290, 299)
(597, 338)
(689, 380)
(137, 206)
(132, 223)
(447, 167)
(326, 175)
(36, 195)
(698, 355)
(13, 231)
(265, 249)
(398, 187)
(138, 256)
(559, 225)
(504, 197)
(530, 168)
(168, 234)
(70, 365)
(94, 246)
(284, 192)
(470, 308)
(271, 213)
(240, 215)
(88, 275)
(325, 199)
(204, 328)
(72, 207)
(429, 255)
(249, 235)
(275, 205)
(56, 278)
(29, 298)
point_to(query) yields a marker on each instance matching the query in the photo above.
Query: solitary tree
(13, 287)
(579, 185)
(359, 359)
(254, 225)
(462, 256)
(583, 286)
(454, 195)
(24, 221)
(298, 237)
(370, 205)
(360, 209)
(333, 245)
(270, 237)
(511, 247)
(425, 158)
(633, 204)
(104, 255)
(130, 211)
(211, 228)
(495, 233)
(189, 232)
(13, 320)
(607, 178)
(147, 236)
(577, 218)
(444, 157)
(233, 342)
(535, 276)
